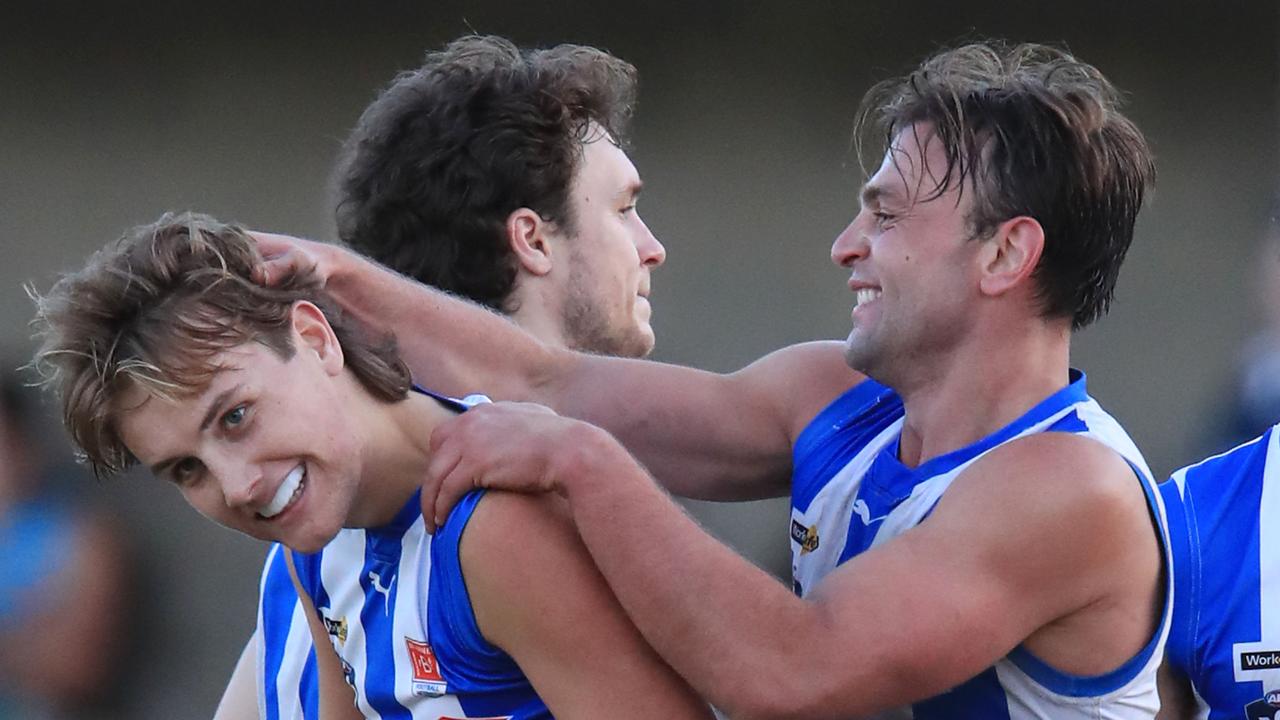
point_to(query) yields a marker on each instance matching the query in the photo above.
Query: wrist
(592, 456)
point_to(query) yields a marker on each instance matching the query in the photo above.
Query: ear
(1011, 255)
(313, 333)
(528, 234)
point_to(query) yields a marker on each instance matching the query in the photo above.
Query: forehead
(150, 418)
(605, 167)
(914, 167)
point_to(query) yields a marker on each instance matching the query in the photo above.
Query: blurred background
(113, 113)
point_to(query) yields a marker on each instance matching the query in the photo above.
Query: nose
(243, 484)
(850, 245)
(651, 252)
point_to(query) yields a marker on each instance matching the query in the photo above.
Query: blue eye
(235, 416)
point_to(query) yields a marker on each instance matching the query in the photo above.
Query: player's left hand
(519, 447)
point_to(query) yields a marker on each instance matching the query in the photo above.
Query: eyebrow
(210, 413)
(631, 190)
(873, 193)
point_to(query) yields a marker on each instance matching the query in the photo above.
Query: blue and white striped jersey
(850, 493)
(1224, 528)
(286, 677)
(396, 607)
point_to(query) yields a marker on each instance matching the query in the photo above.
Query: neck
(535, 319)
(395, 457)
(981, 387)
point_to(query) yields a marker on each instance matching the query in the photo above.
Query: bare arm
(1176, 699)
(703, 435)
(240, 699)
(537, 596)
(877, 633)
(336, 699)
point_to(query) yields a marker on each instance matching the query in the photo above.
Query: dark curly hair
(443, 156)
(1034, 132)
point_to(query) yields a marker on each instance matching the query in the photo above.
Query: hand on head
(284, 255)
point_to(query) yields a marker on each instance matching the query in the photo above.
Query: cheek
(206, 501)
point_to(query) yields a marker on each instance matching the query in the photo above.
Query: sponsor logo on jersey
(427, 679)
(1266, 708)
(807, 537)
(336, 628)
(1265, 660)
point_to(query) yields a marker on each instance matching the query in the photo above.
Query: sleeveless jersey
(850, 493)
(397, 612)
(1224, 527)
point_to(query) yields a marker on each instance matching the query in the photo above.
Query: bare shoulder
(518, 543)
(1069, 496)
(1060, 466)
(824, 359)
(801, 379)
(510, 524)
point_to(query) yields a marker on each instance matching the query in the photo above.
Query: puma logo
(386, 591)
(864, 512)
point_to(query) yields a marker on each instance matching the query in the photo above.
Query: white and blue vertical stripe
(409, 586)
(286, 677)
(1224, 525)
(357, 583)
(850, 493)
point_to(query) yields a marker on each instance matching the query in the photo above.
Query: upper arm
(239, 700)
(1021, 540)
(537, 595)
(1176, 699)
(706, 435)
(703, 435)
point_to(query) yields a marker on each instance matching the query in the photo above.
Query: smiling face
(606, 305)
(912, 263)
(268, 447)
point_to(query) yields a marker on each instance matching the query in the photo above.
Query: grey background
(111, 114)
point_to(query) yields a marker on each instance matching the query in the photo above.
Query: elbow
(836, 686)
(798, 692)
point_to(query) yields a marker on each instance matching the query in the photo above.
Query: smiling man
(274, 416)
(973, 536)
(499, 174)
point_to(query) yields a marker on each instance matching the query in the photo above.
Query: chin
(639, 345)
(860, 357)
(306, 545)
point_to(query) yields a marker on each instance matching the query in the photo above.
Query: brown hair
(444, 155)
(1036, 132)
(156, 307)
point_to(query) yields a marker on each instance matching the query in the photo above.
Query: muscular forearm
(739, 637)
